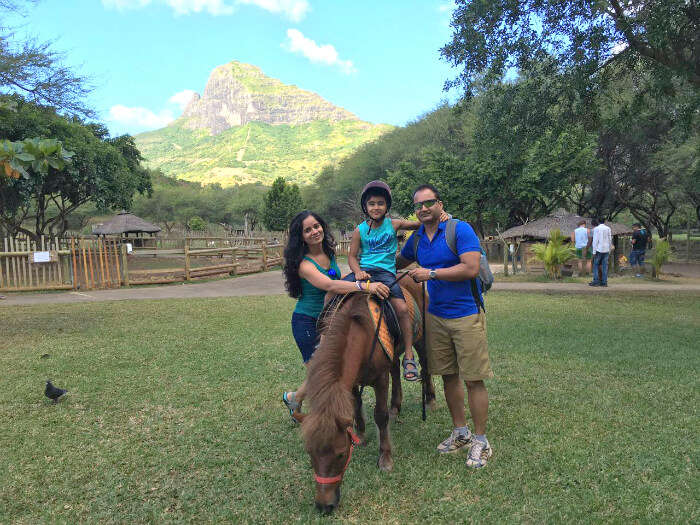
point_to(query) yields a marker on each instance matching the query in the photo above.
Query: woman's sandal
(412, 374)
(291, 405)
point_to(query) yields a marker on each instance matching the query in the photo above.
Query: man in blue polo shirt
(456, 327)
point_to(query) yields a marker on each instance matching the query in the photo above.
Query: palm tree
(553, 254)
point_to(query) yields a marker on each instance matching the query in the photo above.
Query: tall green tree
(102, 170)
(492, 36)
(36, 71)
(282, 202)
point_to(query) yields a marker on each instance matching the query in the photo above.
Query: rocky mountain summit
(249, 128)
(238, 93)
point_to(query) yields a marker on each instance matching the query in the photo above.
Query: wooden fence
(21, 269)
(90, 263)
(233, 260)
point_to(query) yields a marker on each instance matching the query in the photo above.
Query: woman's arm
(321, 281)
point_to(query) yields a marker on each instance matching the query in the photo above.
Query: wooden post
(125, 266)
(73, 260)
(116, 262)
(59, 266)
(505, 259)
(264, 257)
(92, 273)
(187, 260)
(613, 264)
(85, 266)
(234, 256)
(43, 265)
(525, 261)
(687, 245)
(100, 256)
(7, 264)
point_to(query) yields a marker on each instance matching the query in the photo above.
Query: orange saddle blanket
(385, 338)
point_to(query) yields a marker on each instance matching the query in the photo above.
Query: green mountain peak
(248, 127)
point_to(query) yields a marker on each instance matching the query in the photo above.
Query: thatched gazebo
(126, 224)
(538, 231)
(560, 220)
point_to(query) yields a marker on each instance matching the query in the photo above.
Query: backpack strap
(451, 235)
(451, 240)
(415, 238)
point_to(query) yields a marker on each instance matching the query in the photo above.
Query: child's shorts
(381, 276)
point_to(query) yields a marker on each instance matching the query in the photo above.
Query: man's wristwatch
(432, 274)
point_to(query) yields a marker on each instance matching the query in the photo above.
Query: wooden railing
(90, 263)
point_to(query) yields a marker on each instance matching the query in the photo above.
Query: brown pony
(343, 361)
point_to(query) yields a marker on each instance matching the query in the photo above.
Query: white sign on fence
(129, 247)
(41, 257)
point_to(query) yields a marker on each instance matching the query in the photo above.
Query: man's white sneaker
(455, 442)
(479, 453)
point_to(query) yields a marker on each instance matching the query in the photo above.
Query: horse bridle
(354, 440)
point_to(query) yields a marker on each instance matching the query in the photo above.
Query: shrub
(662, 254)
(197, 224)
(553, 254)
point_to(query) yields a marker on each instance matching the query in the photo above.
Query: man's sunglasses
(427, 203)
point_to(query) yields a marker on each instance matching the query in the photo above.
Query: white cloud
(181, 7)
(125, 4)
(182, 98)
(214, 7)
(140, 117)
(325, 54)
(295, 10)
(443, 8)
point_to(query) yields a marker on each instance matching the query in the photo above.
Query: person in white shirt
(580, 239)
(602, 246)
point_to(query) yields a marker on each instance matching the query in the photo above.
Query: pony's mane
(330, 402)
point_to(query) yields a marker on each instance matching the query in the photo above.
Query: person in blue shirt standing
(456, 327)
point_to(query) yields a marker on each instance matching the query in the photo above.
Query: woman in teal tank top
(311, 271)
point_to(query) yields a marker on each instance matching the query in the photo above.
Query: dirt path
(272, 283)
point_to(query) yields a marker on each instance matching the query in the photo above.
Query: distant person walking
(640, 239)
(602, 246)
(580, 239)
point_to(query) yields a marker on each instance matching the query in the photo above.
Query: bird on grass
(54, 393)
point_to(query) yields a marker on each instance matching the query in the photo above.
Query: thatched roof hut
(125, 223)
(560, 220)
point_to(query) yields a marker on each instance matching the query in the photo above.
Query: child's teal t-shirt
(378, 246)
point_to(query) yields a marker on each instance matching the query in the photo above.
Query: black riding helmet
(378, 187)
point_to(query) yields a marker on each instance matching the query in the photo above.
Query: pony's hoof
(385, 463)
(394, 414)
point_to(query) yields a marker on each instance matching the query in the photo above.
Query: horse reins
(354, 440)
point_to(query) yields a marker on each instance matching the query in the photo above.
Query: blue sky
(378, 59)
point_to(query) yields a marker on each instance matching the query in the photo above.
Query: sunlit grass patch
(174, 414)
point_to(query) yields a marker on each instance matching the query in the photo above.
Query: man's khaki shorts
(458, 346)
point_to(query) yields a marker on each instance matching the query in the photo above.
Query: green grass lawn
(174, 414)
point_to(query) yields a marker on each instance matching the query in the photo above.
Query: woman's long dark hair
(296, 249)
